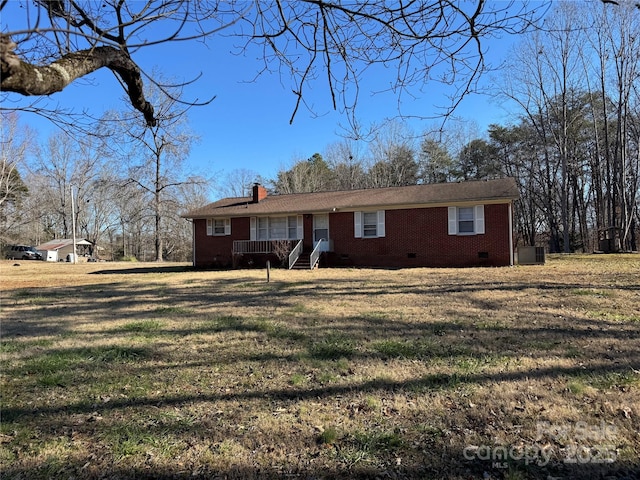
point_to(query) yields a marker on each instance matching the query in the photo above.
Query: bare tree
(131, 224)
(62, 167)
(575, 84)
(545, 81)
(15, 141)
(180, 230)
(47, 44)
(98, 214)
(238, 182)
(615, 101)
(155, 155)
(517, 156)
(53, 43)
(345, 160)
(15, 144)
(393, 161)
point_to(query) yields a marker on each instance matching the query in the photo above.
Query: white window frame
(292, 226)
(359, 225)
(261, 227)
(455, 218)
(224, 227)
(278, 228)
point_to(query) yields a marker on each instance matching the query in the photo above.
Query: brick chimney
(259, 192)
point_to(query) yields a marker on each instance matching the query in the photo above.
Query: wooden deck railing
(252, 246)
(260, 246)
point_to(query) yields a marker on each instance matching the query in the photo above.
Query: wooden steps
(304, 262)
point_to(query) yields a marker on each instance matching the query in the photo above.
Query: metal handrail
(315, 254)
(295, 254)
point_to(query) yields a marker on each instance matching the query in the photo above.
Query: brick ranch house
(438, 225)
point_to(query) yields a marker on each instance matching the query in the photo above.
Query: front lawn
(152, 371)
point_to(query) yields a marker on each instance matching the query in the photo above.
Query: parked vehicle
(22, 252)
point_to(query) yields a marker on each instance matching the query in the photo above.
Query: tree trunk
(158, 191)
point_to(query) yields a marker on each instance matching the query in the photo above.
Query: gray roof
(59, 243)
(487, 191)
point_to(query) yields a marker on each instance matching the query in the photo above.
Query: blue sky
(247, 125)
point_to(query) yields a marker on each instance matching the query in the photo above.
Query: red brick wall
(414, 238)
(420, 237)
(215, 251)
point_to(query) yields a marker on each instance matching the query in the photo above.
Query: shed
(58, 249)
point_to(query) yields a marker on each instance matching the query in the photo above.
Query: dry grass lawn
(147, 371)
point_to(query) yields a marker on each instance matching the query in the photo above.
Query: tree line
(574, 145)
(125, 196)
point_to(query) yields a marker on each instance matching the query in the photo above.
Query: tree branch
(616, 2)
(27, 79)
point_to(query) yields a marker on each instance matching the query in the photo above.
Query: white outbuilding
(61, 249)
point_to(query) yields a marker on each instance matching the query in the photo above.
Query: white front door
(321, 231)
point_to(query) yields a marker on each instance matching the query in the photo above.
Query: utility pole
(73, 224)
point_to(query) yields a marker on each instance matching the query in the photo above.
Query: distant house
(443, 225)
(61, 248)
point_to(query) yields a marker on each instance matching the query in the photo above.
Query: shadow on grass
(424, 384)
(360, 454)
(452, 470)
(173, 316)
(143, 270)
(115, 301)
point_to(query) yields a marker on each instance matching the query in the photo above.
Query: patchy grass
(145, 371)
(143, 326)
(615, 316)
